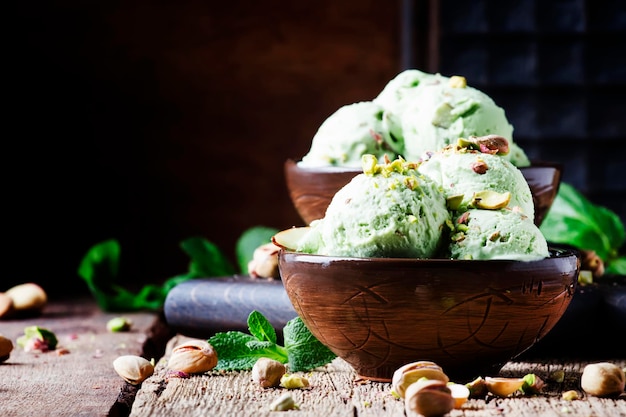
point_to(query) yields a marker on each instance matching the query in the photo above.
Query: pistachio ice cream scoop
(497, 234)
(475, 178)
(439, 111)
(353, 131)
(390, 210)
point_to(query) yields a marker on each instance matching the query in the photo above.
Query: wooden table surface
(82, 382)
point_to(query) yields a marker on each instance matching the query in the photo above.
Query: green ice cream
(437, 113)
(390, 210)
(464, 174)
(353, 131)
(415, 113)
(497, 234)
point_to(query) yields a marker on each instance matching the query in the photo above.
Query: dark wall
(151, 122)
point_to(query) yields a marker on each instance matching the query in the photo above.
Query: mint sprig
(240, 351)
(576, 221)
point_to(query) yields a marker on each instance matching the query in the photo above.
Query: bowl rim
(556, 253)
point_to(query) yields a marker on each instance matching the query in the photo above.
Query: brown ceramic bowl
(470, 317)
(311, 189)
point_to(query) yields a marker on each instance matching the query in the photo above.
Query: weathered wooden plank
(335, 391)
(76, 379)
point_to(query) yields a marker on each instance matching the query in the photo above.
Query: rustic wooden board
(335, 391)
(81, 381)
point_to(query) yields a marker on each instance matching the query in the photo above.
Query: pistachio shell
(429, 398)
(29, 296)
(288, 239)
(411, 372)
(503, 387)
(6, 305)
(6, 346)
(267, 372)
(491, 200)
(193, 357)
(133, 369)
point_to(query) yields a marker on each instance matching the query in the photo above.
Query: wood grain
(336, 391)
(76, 379)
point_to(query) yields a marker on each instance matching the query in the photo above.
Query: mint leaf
(261, 328)
(576, 221)
(206, 259)
(304, 350)
(240, 351)
(617, 266)
(100, 266)
(249, 241)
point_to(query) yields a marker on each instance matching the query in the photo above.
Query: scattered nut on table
(6, 346)
(27, 298)
(193, 357)
(411, 372)
(267, 372)
(119, 324)
(603, 379)
(6, 305)
(133, 369)
(292, 381)
(429, 398)
(264, 263)
(502, 386)
(283, 403)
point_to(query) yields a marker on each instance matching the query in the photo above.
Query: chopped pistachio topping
(370, 166)
(454, 201)
(456, 81)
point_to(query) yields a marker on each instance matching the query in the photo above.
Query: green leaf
(234, 350)
(260, 327)
(249, 241)
(616, 266)
(575, 221)
(304, 350)
(206, 259)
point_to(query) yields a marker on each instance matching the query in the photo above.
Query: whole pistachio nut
(6, 305)
(6, 346)
(264, 263)
(429, 398)
(411, 372)
(267, 372)
(27, 297)
(133, 369)
(603, 379)
(193, 357)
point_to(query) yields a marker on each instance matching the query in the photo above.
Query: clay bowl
(311, 189)
(470, 317)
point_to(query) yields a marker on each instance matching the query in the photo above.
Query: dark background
(152, 121)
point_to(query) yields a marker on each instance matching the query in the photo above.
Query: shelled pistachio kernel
(119, 324)
(291, 381)
(133, 369)
(6, 346)
(457, 81)
(570, 395)
(267, 372)
(283, 403)
(193, 357)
